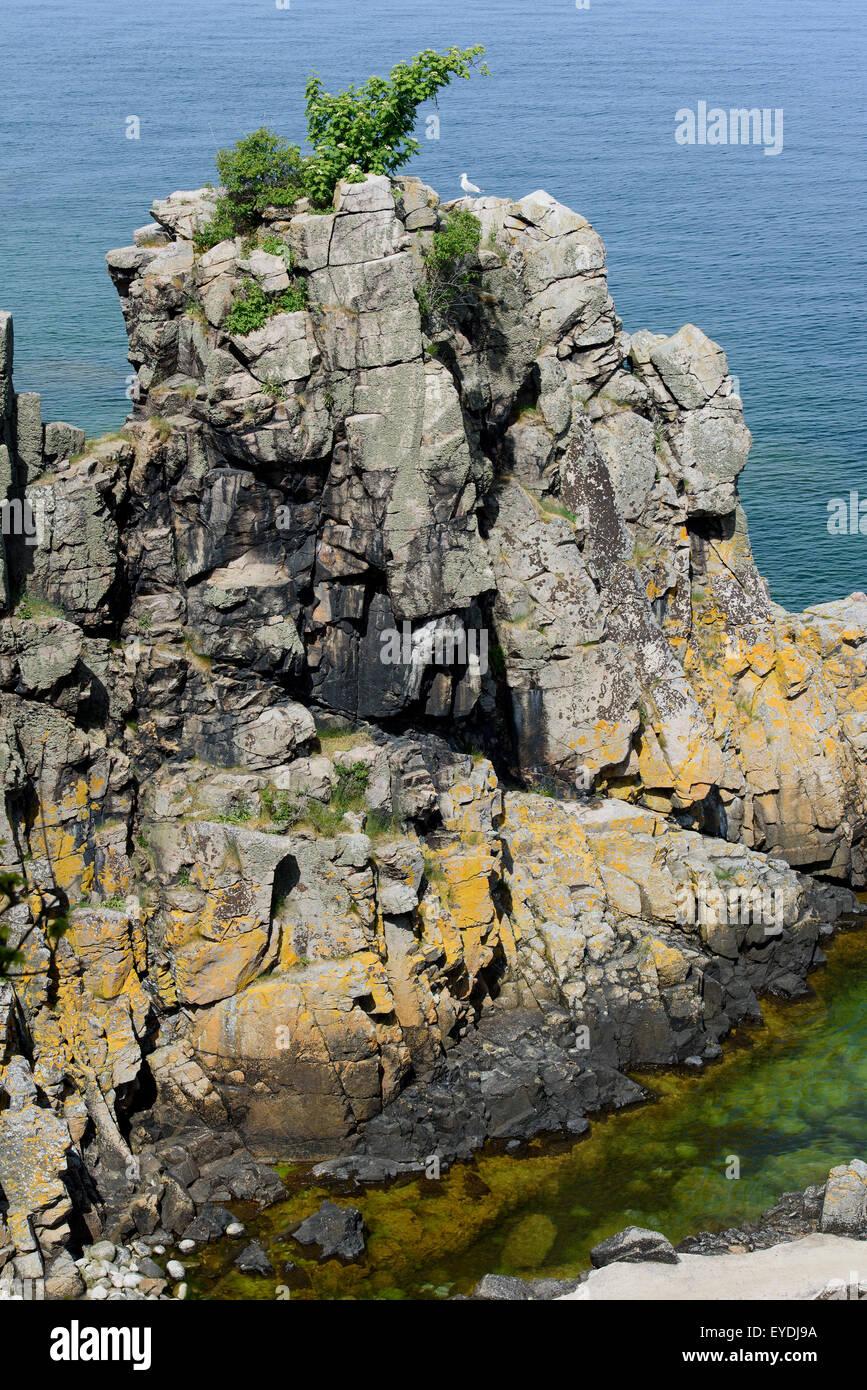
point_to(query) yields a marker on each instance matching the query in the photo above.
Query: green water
(787, 1100)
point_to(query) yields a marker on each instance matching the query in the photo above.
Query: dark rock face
(336, 1230)
(517, 1075)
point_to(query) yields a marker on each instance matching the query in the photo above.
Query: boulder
(844, 1209)
(253, 1260)
(210, 1222)
(634, 1245)
(336, 1230)
(692, 367)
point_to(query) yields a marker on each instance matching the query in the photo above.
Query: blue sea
(765, 253)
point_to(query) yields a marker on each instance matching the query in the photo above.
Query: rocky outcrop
(394, 716)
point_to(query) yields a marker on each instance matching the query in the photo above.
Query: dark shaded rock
(633, 1245)
(813, 1198)
(184, 1173)
(176, 1208)
(245, 1179)
(145, 1212)
(120, 1227)
(796, 1214)
(253, 1260)
(337, 1230)
(517, 1075)
(209, 1224)
(361, 1168)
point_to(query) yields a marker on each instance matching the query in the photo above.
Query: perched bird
(467, 186)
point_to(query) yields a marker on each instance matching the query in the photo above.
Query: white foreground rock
(799, 1269)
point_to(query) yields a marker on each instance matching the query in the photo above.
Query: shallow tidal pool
(788, 1101)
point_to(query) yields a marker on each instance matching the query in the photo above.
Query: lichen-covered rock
(844, 1210)
(394, 714)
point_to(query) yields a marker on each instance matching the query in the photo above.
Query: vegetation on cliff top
(362, 130)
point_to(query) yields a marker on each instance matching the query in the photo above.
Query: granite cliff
(372, 704)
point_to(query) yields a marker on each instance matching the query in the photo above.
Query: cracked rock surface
(328, 905)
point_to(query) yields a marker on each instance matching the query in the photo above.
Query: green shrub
(249, 311)
(446, 278)
(363, 130)
(458, 237)
(220, 228)
(261, 170)
(293, 298)
(326, 820)
(347, 795)
(161, 427)
(29, 606)
(253, 307)
(381, 823)
(433, 872)
(241, 814)
(279, 807)
(351, 785)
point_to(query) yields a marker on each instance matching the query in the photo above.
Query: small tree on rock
(368, 129)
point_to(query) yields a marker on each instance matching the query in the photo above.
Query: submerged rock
(253, 1260)
(336, 1230)
(507, 1288)
(501, 1287)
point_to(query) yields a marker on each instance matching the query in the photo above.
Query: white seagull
(467, 186)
